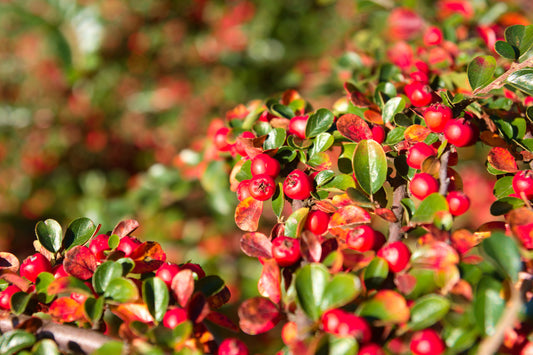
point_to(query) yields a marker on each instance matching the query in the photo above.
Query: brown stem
(500, 81)
(443, 173)
(68, 338)
(395, 229)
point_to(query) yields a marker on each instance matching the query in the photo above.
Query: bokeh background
(105, 105)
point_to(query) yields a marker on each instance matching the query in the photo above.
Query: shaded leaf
(80, 262)
(222, 321)
(376, 272)
(505, 205)
(480, 71)
(506, 50)
(503, 252)
(353, 127)
(310, 283)
(9, 262)
(49, 234)
(258, 315)
(93, 308)
(19, 301)
(488, 305)
(79, 232)
(247, 214)
(155, 295)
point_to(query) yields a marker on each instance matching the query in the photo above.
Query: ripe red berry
(433, 36)
(232, 346)
(422, 185)
(371, 349)
(166, 272)
(5, 296)
(128, 244)
(523, 183)
(265, 164)
(397, 255)
(418, 153)
(262, 187)
(59, 271)
(98, 245)
(243, 190)
(458, 202)
(342, 323)
(174, 316)
(297, 185)
(297, 126)
(460, 133)
(317, 222)
(378, 133)
(33, 265)
(221, 139)
(426, 342)
(436, 117)
(363, 238)
(418, 93)
(286, 250)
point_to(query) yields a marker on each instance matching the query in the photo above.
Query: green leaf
(323, 177)
(480, 71)
(392, 107)
(13, 341)
(514, 34)
(93, 308)
(275, 139)
(282, 110)
(523, 80)
(278, 200)
(122, 290)
(432, 204)
(488, 305)
(45, 347)
(155, 295)
(387, 306)
(395, 136)
(41, 286)
(339, 183)
(78, 232)
(503, 252)
(527, 41)
(49, 234)
(310, 283)
(209, 285)
(342, 289)
(245, 173)
(111, 347)
(344, 163)
(428, 310)
(318, 122)
(459, 339)
(506, 50)
(104, 274)
(503, 187)
(342, 345)
(321, 143)
(375, 273)
(504, 205)
(370, 165)
(19, 301)
(127, 264)
(295, 222)
(113, 241)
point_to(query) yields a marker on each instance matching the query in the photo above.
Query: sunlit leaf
(79, 232)
(80, 262)
(269, 281)
(353, 127)
(318, 122)
(122, 290)
(183, 286)
(502, 159)
(522, 79)
(349, 215)
(104, 274)
(295, 222)
(13, 341)
(148, 256)
(387, 306)
(49, 234)
(480, 71)
(247, 214)
(65, 309)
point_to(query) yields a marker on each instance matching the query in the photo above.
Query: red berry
(98, 245)
(363, 238)
(265, 164)
(128, 244)
(5, 296)
(432, 36)
(458, 202)
(262, 187)
(286, 250)
(371, 349)
(33, 265)
(195, 268)
(397, 255)
(317, 222)
(418, 93)
(297, 126)
(166, 272)
(378, 133)
(59, 271)
(422, 185)
(342, 323)
(426, 342)
(232, 346)
(418, 153)
(243, 190)
(221, 139)
(436, 117)
(460, 133)
(523, 182)
(174, 316)
(297, 185)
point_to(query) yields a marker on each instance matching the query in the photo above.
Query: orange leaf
(247, 214)
(521, 222)
(373, 116)
(353, 127)
(416, 133)
(258, 315)
(130, 312)
(65, 309)
(148, 256)
(256, 245)
(463, 240)
(80, 262)
(386, 214)
(348, 215)
(502, 159)
(269, 282)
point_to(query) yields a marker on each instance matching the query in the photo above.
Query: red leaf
(247, 214)
(311, 248)
(416, 133)
(9, 262)
(223, 321)
(258, 315)
(15, 279)
(198, 308)
(219, 299)
(256, 245)
(463, 240)
(347, 215)
(355, 96)
(65, 284)
(252, 146)
(148, 256)
(353, 127)
(502, 159)
(65, 309)
(125, 227)
(386, 214)
(373, 116)
(405, 282)
(183, 286)
(130, 312)
(80, 262)
(269, 282)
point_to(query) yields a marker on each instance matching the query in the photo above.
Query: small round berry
(297, 126)
(317, 222)
(523, 183)
(418, 153)
(418, 93)
(128, 244)
(262, 187)
(437, 116)
(460, 133)
(371, 349)
(98, 245)
(342, 323)
(458, 202)
(33, 265)
(286, 250)
(243, 190)
(5, 296)
(426, 342)
(397, 255)
(265, 164)
(433, 36)
(166, 272)
(378, 133)
(232, 346)
(422, 185)
(174, 316)
(297, 185)
(362, 238)
(221, 139)
(59, 271)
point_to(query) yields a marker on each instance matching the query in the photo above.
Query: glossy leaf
(258, 315)
(209, 285)
(104, 274)
(503, 187)
(45, 347)
(247, 214)
(278, 200)
(502, 159)
(506, 50)
(318, 122)
(428, 310)
(392, 107)
(148, 256)
(155, 295)
(480, 71)
(41, 286)
(323, 177)
(275, 138)
(340, 290)
(310, 283)
(370, 165)
(429, 207)
(342, 345)
(295, 222)
(416, 133)
(79, 232)
(19, 301)
(503, 252)
(256, 245)
(122, 290)
(349, 215)
(80, 262)
(93, 308)
(340, 183)
(514, 34)
(375, 273)
(13, 341)
(353, 127)
(49, 234)
(125, 228)
(386, 305)
(488, 305)
(523, 80)
(505, 205)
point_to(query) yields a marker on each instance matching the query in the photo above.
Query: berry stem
(443, 173)
(395, 229)
(499, 82)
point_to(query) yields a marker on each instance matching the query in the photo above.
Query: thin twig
(443, 173)
(395, 229)
(500, 81)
